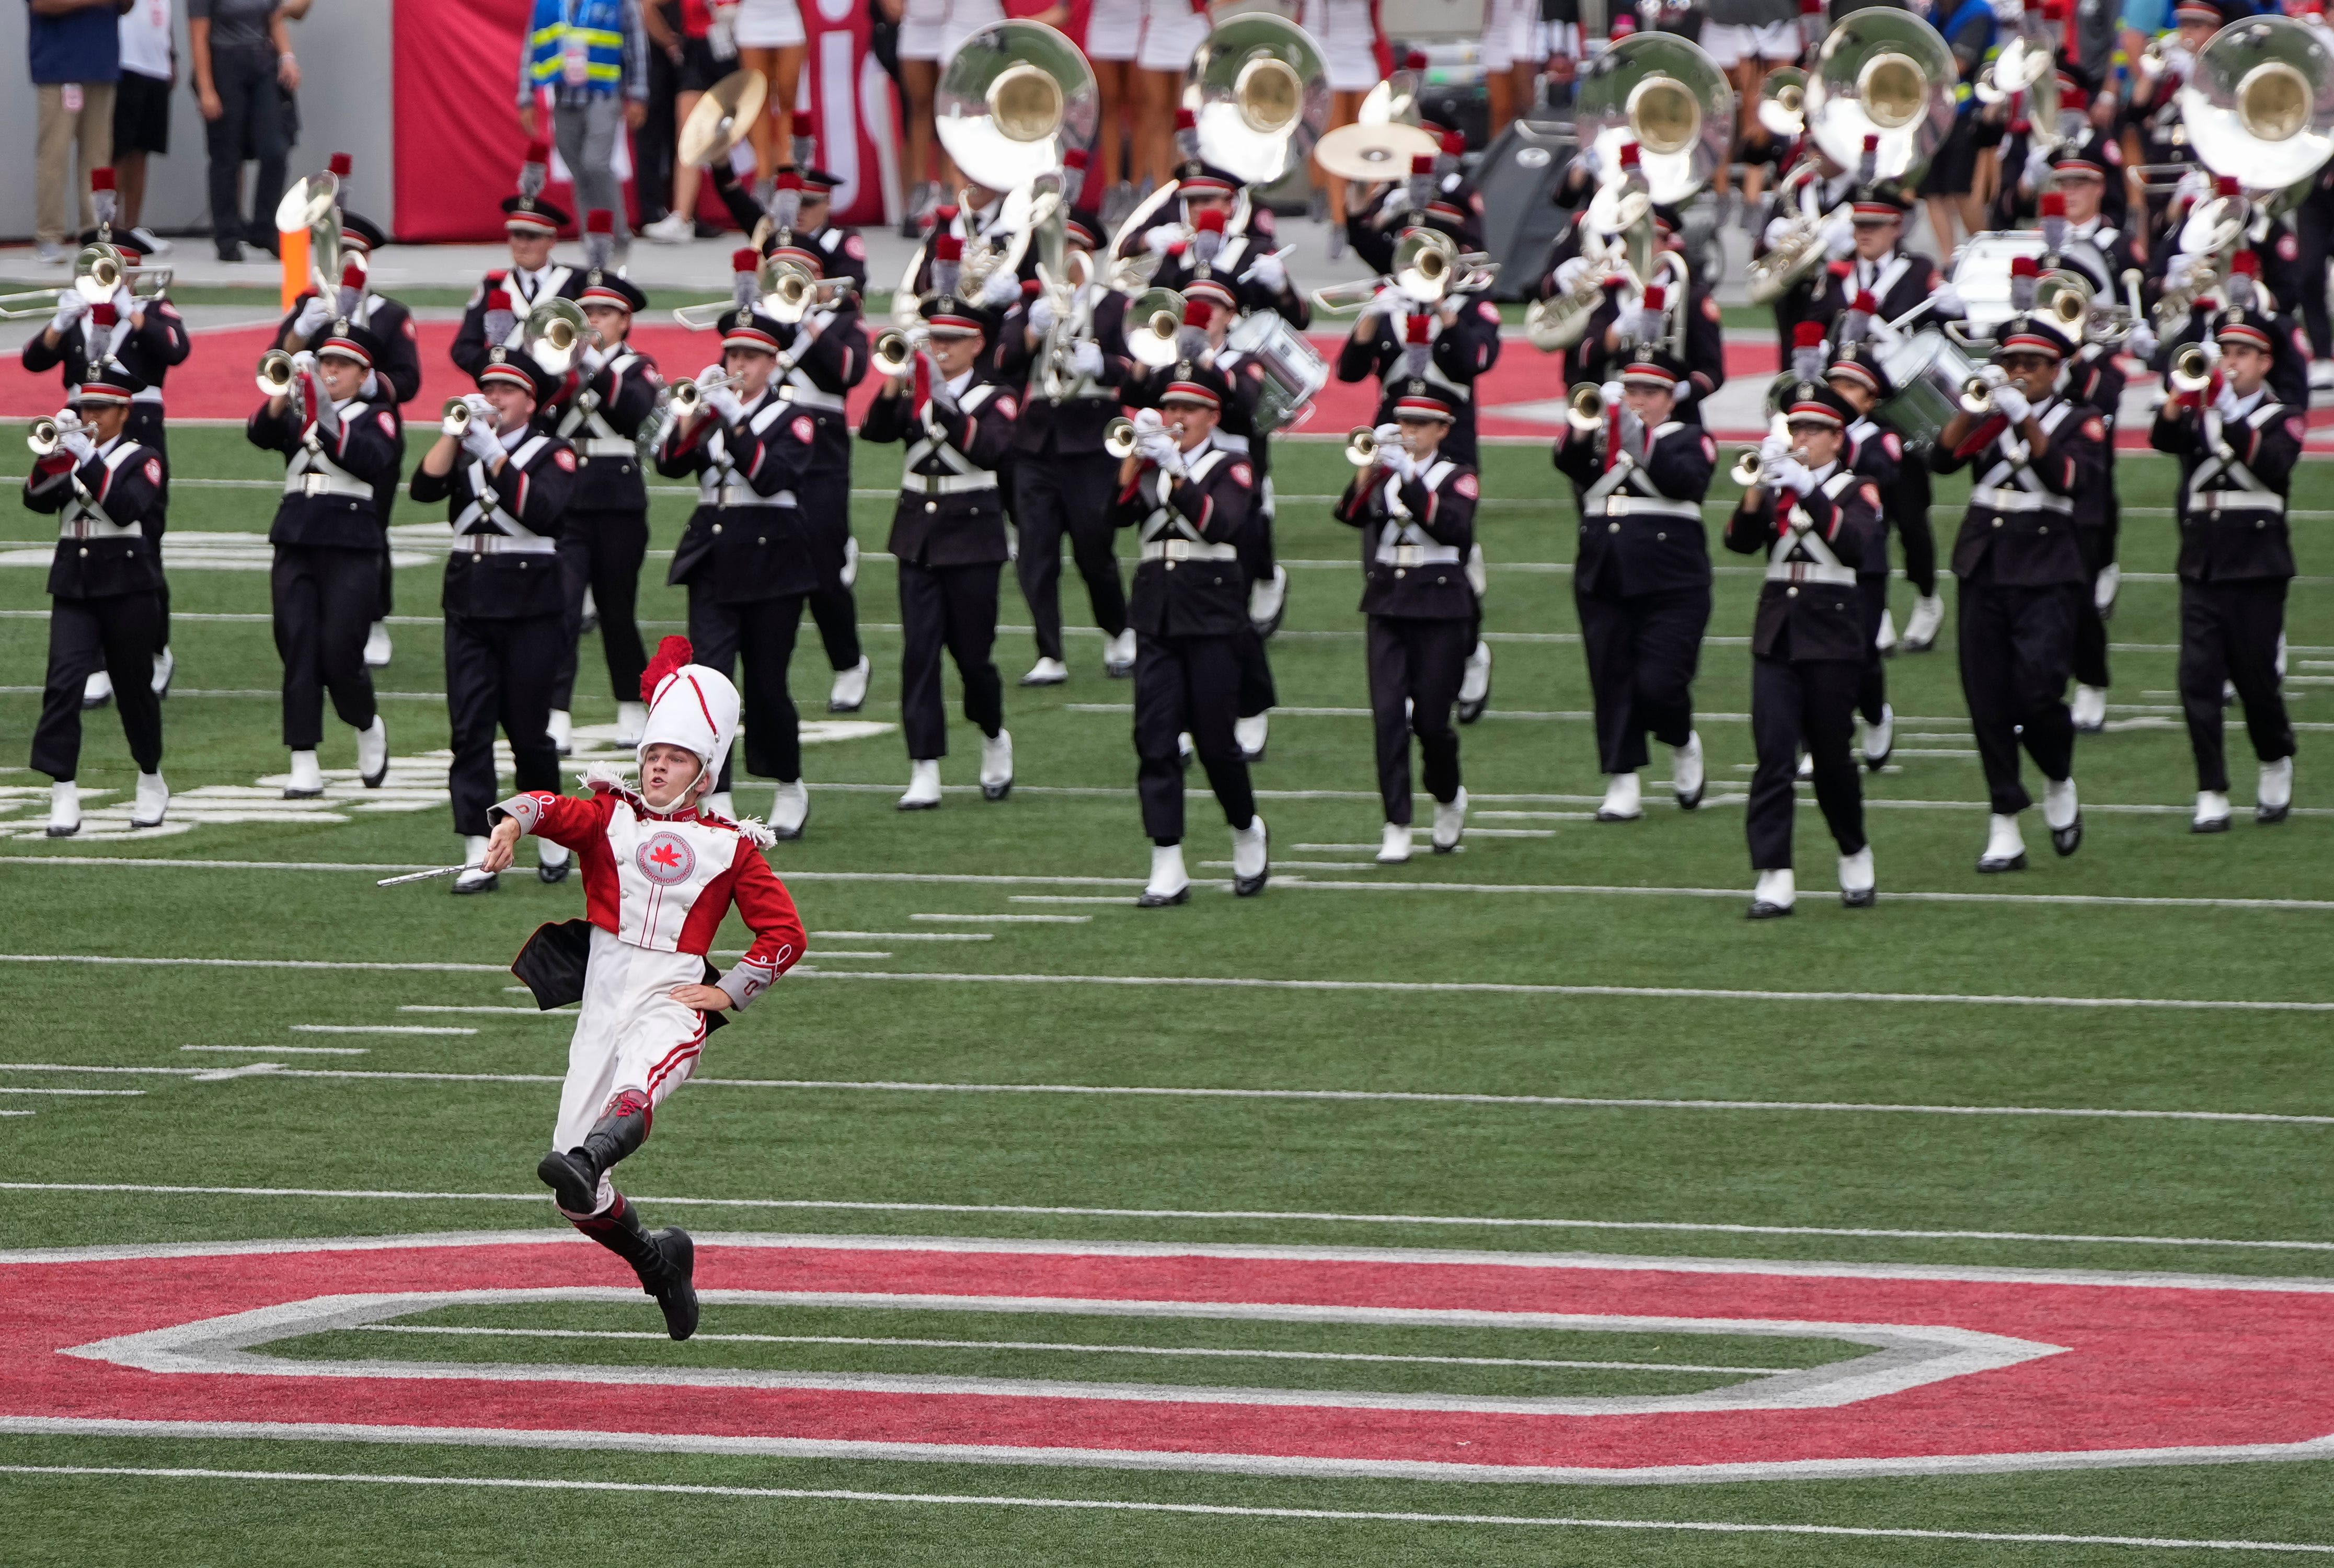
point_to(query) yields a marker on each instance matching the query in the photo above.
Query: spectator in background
(142, 112)
(74, 50)
(770, 40)
(243, 64)
(1746, 39)
(697, 68)
(592, 57)
(652, 144)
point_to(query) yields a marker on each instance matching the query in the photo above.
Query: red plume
(670, 655)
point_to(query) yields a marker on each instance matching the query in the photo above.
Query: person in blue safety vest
(592, 57)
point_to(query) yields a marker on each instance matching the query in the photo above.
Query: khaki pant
(92, 129)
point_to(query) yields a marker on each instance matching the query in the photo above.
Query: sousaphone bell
(1012, 100)
(1258, 91)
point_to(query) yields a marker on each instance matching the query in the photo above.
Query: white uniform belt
(148, 395)
(948, 484)
(317, 483)
(1649, 506)
(2003, 498)
(738, 497)
(810, 398)
(606, 446)
(2238, 501)
(1809, 572)
(1418, 555)
(1187, 550)
(85, 526)
(503, 545)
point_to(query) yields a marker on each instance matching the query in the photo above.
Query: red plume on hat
(535, 169)
(670, 655)
(341, 165)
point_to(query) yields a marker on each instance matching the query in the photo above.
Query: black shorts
(1954, 167)
(141, 114)
(698, 71)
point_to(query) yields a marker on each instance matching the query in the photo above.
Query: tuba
(2258, 102)
(723, 117)
(314, 203)
(556, 330)
(1011, 101)
(1259, 90)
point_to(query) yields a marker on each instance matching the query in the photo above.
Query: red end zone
(1972, 1370)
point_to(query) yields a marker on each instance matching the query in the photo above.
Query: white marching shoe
(2274, 798)
(1773, 895)
(1859, 887)
(2062, 814)
(2104, 589)
(849, 692)
(1921, 627)
(1118, 655)
(718, 803)
(631, 719)
(1886, 638)
(1252, 858)
(166, 665)
(996, 765)
(1623, 802)
(790, 809)
(97, 690)
(153, 800)
(1687, 776)
(1250, 734)
(64, 809)
(373, 753)
(1269, 601)
(2321, 375)
(1047, 672)
(1449, 821)
(1475, 683)
(849, 575)
(1168, 883)
(307, 780)
(1393, 844)
(561, 731)
(2090, 708)
(1879, 739)
(474, 877)
(923, 785)
(2212, 813)
(2005, 848)
(552, 862)
(377, 648)
(1807, 768)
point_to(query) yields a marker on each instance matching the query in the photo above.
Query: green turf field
(1457, 1003)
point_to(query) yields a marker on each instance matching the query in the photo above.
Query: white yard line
(304, 1050)
(353, 1029)
(1009, 919)
(889, 937)
(79, 1094)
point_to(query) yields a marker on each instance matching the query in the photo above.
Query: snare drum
(1927, 370)
(1293, 372)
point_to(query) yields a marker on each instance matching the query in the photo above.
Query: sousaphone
(1012, 100)
(1259, 90)
(1886, 74)
(2258, 102)
(1662, 92)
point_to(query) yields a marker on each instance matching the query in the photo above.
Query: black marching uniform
(1598, 356)
(1421, 346)
(522, 292)
(505, 613)
(814, 377)
(105, 584)
(1877, 456)
(2236, 559)
(2094, 381)
(1416, 533)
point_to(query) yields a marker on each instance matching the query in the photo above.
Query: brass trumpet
(689, 393)
(895, 350)
(45, 436)
(454, 419)
(2192, 368)
(1747, 464)
(1977, 391)
(1585, 409)
(275, 377)
(1118, 436)
(1362, 446)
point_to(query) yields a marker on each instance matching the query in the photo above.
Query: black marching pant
(2228, 633)
(499, 673)
(1792, 705)
(951, 607)
(119, 634)
(1255, 543)
(385, 499)
(1872, 684)
(1257, 692)
(324, 601)
(1067, 495)
(2091, 627)
(2017, 650)
(1187, 683)
(1641, 655)
(1415, 670)
(761, 631)
(250, 125)
(603, 551)
(825, 515)
(2313, 226)
(1908, 509)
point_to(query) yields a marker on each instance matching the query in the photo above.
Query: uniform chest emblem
(665, 859)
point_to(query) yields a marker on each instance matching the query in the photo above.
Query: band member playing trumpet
(2237, 446)
(1878, 456)
(1642, 579)
(499, 309)
(948, 536)
(506, 483)
(1416, 512)
(2020, 568)
(326, 581)
(1187, 499)
(1658, 317)
(746, 557)
(1435, 195)
(1816, 518)
(104, 587)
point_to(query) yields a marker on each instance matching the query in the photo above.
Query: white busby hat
(691, 705)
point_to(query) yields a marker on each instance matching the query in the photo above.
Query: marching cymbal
(723, 117)
(1373, 154)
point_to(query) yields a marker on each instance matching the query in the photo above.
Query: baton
(421, 876)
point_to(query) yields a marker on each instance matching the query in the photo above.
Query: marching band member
(661, 873)
(1415, 510)
(507, 484)
(1435, 195)
(2237, 446)
(599, 410)
(948, 537)
(2020, 568)
(1878, 263)
(1656, 318)
(104, 587)
(497, 312)
(1815, 516)
(746, 557)
(1815, 200)
(326, 581)
(1188, 500)
(1876, 455)
(1063, 478)
(1642, 579)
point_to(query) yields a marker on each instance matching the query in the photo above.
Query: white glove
(126, 305)
(1610, 393)
(1159, 449)
(1839, 236)
(1948, 305)
(2225, 405)
(2038, 167)
(1388, 436)
(1085, 360)
(1773, 448)
(1159, 236)
(314, 317)
(2011, 404)
(1041, 315)
(1644, 325)
(1002, 289)
(1592, 162)
(724, 403)
(479, 408)
(481, 441)
(1402, 463)
(1147, 420)
(1795, 475)
(446, 426)
(2142, 343)
(1270, 273)
(1777, 227)
(369, 388)
(591, 357)
(303, 363)
(1570, 274)
(71, 308)
(317, 403)
(78, 443)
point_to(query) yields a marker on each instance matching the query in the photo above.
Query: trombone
(99, 271)
(1154, 322)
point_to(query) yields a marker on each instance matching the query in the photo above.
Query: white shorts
(1342, 30)
(932, 29)
(631, 1034)
(1172, 34)
(1510, 35)
(769, 24)
(1114, 30)
(1728, 43)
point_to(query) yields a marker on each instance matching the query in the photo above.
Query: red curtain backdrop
(458, 145)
